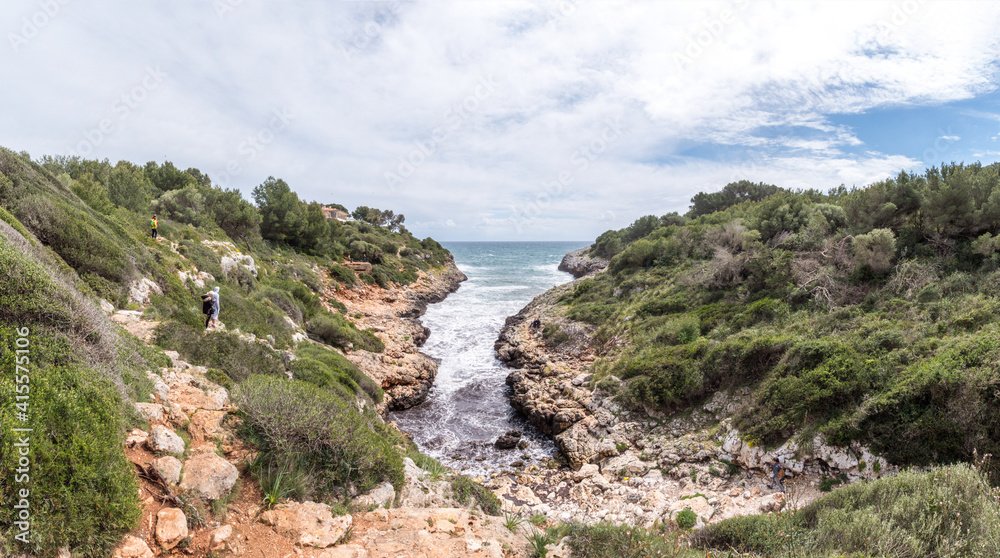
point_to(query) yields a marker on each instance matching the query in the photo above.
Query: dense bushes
(336, 330)
(946, 512)
(327, 368)
(83, 492)
(225, 351)
(853, 313)
(302, 427)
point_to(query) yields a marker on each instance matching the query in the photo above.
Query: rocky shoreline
(636, 467)
(404, 373)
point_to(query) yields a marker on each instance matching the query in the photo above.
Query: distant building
(335, 213)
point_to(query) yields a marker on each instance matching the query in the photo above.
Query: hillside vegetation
(866, 314)
(73, 232)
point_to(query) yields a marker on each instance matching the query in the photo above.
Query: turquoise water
(467, 408)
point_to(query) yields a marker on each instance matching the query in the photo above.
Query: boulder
(140, 289)
(219, 536)
(211, 476)
(381, 496)
(160, 388)
(169, 467)
(171, 527)
(136, 438)
(133, 547)
(508, 440)
(586, 471)
(153, 412)
(308, 524)
(163, 439)
(772, 502)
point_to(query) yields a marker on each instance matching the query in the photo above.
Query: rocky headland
(580, 263)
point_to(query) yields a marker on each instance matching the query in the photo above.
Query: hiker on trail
(152, 225)
(212, 300)
(777, 475)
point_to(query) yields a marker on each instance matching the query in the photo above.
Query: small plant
(274, 487)
(538, 519)
(827, 483)
(537, 542)
(512, 520)
(686, 519)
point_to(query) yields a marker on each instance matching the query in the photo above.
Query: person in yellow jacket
(152, 225)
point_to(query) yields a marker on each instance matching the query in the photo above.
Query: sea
(468, 408)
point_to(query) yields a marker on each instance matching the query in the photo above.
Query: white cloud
(368, 84)
(950, 138)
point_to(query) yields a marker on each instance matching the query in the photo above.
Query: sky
(507, 120)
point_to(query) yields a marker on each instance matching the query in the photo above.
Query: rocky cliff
(405, 374)
(581, 264)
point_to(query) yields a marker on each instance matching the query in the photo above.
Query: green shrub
(83, 493)
(947, 511)
(686, 519)
(336, 330)
(304, 428)
(325, 367)
(465, 491)
(343, 275)
(625, 541)
(225, 351)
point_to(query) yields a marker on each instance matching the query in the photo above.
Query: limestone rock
(381, 496)
(140, 289)
(219, 536)
(211, 476)
(171, 527)
(153, 412)
(206, 425)
(164, 440)
(133, 547)
(584, 442)
(580, 263)
(136, 437)
(308, 523)
(586, 471)
(772, 502)
(169, 468)
(107, 307)
(160, 388)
